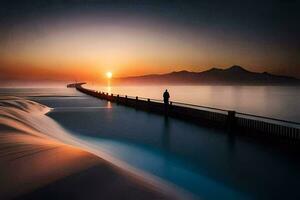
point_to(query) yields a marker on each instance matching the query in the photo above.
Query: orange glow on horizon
(89, 57)
(85, 49)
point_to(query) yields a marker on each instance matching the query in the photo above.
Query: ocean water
(269, 101)
(199, 162)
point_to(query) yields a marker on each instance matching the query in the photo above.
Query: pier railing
(230, 120)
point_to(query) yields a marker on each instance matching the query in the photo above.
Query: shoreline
(42, 173)
(31, 161)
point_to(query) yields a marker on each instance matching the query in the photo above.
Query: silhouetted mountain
(235, 75)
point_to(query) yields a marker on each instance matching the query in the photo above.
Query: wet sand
(47, 170)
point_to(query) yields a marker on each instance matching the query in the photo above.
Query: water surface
(269, 101)
(204, 163)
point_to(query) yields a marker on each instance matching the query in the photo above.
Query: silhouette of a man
(166, 97)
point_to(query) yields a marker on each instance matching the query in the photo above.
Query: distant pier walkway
(231, 121)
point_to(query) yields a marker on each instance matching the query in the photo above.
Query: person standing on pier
(166, 97)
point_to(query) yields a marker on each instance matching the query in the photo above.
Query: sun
(109, 75)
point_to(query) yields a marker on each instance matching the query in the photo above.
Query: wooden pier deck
(229, 120)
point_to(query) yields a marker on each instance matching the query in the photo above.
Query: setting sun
(108, 75)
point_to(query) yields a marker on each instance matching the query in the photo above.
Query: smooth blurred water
(208, 163)
(269, 101)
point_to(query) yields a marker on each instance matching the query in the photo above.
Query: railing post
(126, 100)
(231, 120)
(136, 101)
(170, 108)
(148, 105)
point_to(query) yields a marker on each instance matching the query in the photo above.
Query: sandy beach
(34, 166)
(51, 171)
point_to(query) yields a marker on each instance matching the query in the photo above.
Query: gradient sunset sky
(82, 39)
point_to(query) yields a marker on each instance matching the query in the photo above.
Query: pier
(229, 120)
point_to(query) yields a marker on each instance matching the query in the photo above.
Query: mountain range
(234, 75)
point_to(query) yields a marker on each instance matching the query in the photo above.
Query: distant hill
(235, 75)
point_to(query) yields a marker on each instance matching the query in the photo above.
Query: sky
(67, 40)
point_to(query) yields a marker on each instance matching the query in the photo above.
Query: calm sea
(269, 101)
(199, 161)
